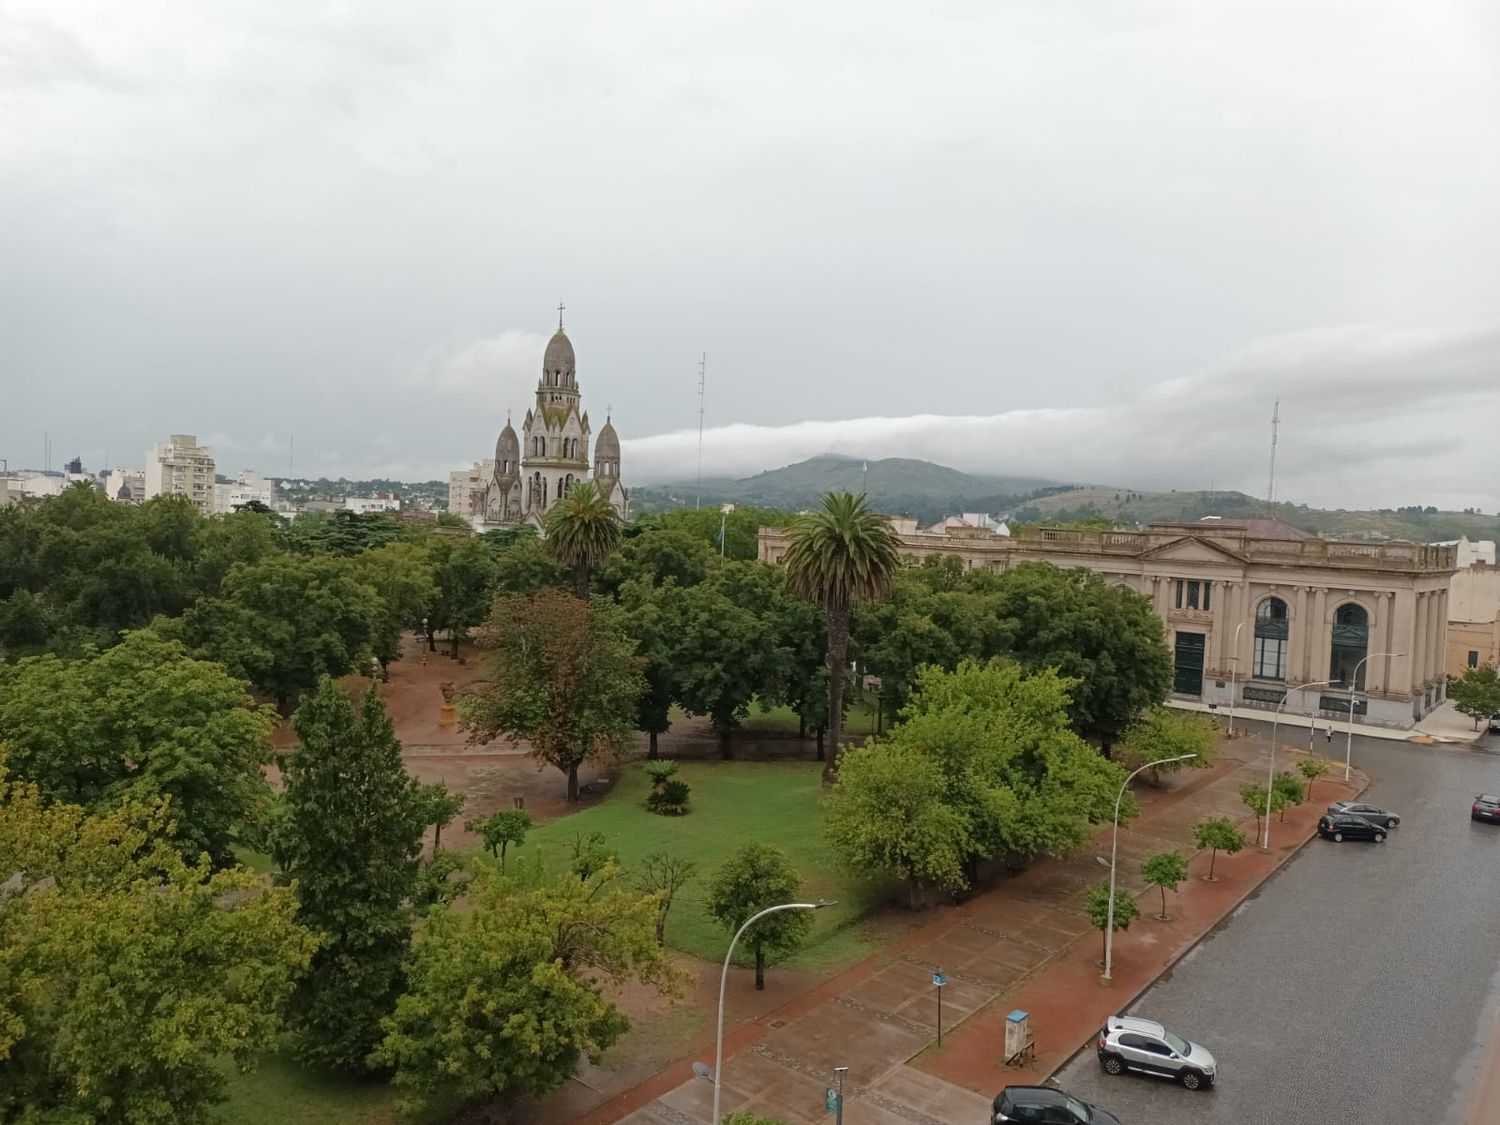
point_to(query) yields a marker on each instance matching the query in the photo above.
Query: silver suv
(1127, 1043)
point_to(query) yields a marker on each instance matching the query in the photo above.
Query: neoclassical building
(534, 468)
(1253, 606)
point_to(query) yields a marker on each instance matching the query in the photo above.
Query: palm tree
(583, 530)
(843, 554)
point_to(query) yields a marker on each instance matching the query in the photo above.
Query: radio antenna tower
(702, 367)
(1275, 426)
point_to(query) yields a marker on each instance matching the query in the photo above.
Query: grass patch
(859, 719)
(283, 1091)
(732, 803)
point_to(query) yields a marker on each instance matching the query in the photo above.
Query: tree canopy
(753, 878)
(1476, 693)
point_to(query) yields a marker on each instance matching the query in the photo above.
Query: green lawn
(859, 719)
(732, 803)
(281, 1091)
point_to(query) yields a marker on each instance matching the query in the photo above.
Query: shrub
(660, 770)
(670, 798)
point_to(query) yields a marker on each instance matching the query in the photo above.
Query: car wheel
(1394, 822)
(1380, 837)
(1112, 1064)
(1338, 837)
(1191, 1079)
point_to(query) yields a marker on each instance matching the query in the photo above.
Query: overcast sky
(1045, 237)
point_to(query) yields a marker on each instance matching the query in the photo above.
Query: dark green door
(1189, 677)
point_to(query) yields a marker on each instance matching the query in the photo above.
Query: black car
(1339, 827)
(1047, 1105)
(1373, 813)
(1487, 808)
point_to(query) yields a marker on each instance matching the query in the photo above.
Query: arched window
(1351, 644)
(1270, 640)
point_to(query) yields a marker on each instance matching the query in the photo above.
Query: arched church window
(1351, 644)
(1270, 640)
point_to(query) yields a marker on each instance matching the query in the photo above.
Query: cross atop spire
(560, 307)
(609, 412)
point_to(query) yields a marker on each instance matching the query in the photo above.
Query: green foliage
(464, 571)
(660, 770)
(562, 675)
(441, 879)
(670, 798)
(1476, 693)
(755, 877)
(741, 527)
(1219, 834)
(402, 575)
(1165, 871)
(657, 554)
(591, 854)
(1127, 910)
(127, 974)
(507, 997)
(583, 530)
(1291, 790)
(889, 812)
(662, 876)
(836, 557)
(1165, 733)
(1311, 769)
(501, 829)
(526, 567)
(440, 805)
(140, 721)
(1254, 797)
(350, 838)
(340, 532)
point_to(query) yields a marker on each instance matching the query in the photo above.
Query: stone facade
(1473, 618)
(1252, 608)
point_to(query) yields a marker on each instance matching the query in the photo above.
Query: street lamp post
(1114, 853)
(1234, 668)
(1353, 683)
(1271, 769)
(724, 978)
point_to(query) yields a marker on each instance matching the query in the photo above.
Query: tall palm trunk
(581, 581)
(838, 651)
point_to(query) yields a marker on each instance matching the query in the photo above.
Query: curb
(1199, 940)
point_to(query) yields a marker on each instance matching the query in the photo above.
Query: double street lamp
(1353, 681)
(698, 1068)
(1114, 854)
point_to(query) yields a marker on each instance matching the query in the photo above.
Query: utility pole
(702, 369)
(1275, 426)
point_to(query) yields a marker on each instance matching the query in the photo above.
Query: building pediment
(1190, 548)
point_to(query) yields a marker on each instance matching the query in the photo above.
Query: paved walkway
(1026, 943)
(1444, 724)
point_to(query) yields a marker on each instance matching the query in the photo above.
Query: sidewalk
(1025, 943)
(1444, 724)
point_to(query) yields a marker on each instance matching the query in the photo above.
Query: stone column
(1317, 656)
(1296, 656)
(1437, 654)
(1419, 644)
(1378, 670)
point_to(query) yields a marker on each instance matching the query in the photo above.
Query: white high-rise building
(248, 485)
(182, 467)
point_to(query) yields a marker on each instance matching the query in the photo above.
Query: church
(537, 467)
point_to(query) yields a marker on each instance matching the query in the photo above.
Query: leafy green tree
(1476, 693)
(646, 621)
(1127, 909)
(837, 557)
(441, 879)
(501, 829)
(464, 572)
(525, 567)
(889, 813)
(127, 975)
(440, 805)
(350, 838)
(507, 996)
(1311, 769)
(1164, 733)
(1292, 791)
(661, 876)
(591, 854)
(403, 577)
(754, 877)
(141, 721)
(1219, 835)
(562, 675)
(245, 536)
(655, 556)
(1254, 797)
(583, 530)
(741, 527)
(1165, 871)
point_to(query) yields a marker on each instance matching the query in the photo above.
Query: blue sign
(939, 980)
(830, 1099)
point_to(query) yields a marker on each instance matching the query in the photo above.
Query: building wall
(181, 467)
(1402, 587)
(1471, 643)
(1474, 594)
(467, 488)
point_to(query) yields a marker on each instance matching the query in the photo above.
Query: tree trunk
(821, 753)
(725, 750)
(453, 640)
(581, 581)
(1213, 857)
(572, 784)
(431, 640)
(437, 837)
(838, 649)
(760, 968)
(1163, 903)
(652, 752)
(801, 725)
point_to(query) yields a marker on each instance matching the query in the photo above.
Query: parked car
(1495, 724)
(1373, 813)
(1048, 1105)
(1339, 827)
(1487, 808)
(1127, 1043)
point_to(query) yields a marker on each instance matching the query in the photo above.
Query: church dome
(508, 448)
(559, 355)
(607, 444)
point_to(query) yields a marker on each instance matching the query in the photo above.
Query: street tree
(663, 875)
(440, 805)
(501, 829)
(1218, 834)
(464, 572)
(1254, 797)
(889, 813)
(128, 976)
(1165, 871)
(561, 674)
(754, 877)
(402, 574)
(1476, 693)
(507, 996)
(1293, 791)
(1161, 733)
(583, 530)
(836, 557)
(350, 836)
(646, 622)
(1311, 769)
(1127, 909)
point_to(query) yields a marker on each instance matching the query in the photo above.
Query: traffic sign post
(939, 980)
(833, 1099)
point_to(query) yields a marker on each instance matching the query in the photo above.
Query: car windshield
(1485, 798)
(1176, 1042)
(1080, 1110)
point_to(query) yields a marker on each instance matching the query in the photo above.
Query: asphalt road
(1360, 983)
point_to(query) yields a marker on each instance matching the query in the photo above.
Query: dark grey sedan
(1373, 813)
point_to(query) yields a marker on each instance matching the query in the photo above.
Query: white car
(1128, 1043)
